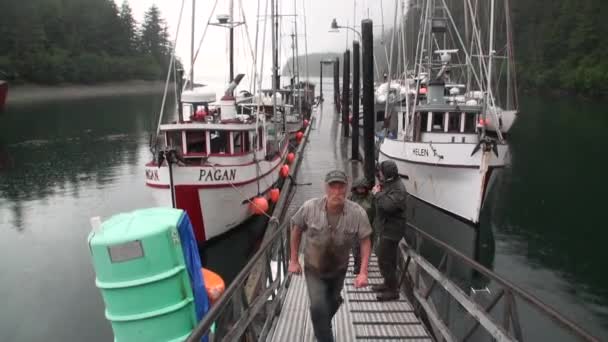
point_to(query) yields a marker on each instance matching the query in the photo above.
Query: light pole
(335, 26)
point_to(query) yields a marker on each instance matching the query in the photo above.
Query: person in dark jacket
(390, 223)
(360, 194)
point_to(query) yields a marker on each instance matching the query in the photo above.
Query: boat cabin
(444, 116)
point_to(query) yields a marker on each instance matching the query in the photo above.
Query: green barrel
(142, 276)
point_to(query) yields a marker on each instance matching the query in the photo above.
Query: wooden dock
(361, 317)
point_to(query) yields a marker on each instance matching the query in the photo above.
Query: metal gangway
(265, 303)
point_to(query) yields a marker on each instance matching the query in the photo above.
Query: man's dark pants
(387, 261)
(325, 299)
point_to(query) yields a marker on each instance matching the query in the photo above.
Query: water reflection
(57, 148)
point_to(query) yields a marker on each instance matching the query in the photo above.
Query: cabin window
(454, 122)
(220, 142)
(260, 138)
(196, 142)
(437, 125)
(240, 141)
(424, 119)
(237, 142)
(174, 139)
(247, 141)
(469, 123)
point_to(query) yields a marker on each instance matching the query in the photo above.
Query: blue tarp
(194, 265)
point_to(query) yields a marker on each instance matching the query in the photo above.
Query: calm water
(549, 217)
(68, 161)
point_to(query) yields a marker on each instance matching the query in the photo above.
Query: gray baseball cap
(336, 176)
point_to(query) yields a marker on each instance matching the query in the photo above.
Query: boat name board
(421, 152)
(152, 174)
(217, 175)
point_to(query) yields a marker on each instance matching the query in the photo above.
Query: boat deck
(361, 317)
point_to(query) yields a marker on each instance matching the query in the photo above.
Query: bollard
(321, 81)
(346, 93)
(368, 99)
(356, 86)
(337, 84)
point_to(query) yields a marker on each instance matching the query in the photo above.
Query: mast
(466, 39)
(274, 60)
(231, 10)
(490, 51)
(305, 42)
(297, 70)
(510, 58)
(192, 45)
(275, 40)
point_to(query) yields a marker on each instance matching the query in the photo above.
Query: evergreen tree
(154, 36)
(129, 30)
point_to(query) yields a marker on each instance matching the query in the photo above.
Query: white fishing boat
(217, 156)
(451, 141)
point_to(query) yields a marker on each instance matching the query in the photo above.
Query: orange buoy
(284, 171)
(214, 284)
(290, 157)
(258, 206)
(274, 195)
(305, 123)
(299, 136)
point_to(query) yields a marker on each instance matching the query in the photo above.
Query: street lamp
(335, 26)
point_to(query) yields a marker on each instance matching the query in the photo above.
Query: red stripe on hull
(187, 198)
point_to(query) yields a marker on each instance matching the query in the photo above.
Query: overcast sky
(212, 66)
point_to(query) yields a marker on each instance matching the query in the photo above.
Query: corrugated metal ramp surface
(360, 318)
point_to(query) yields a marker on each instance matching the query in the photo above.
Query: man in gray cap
(331, 223)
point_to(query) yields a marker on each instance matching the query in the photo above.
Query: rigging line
(242, 194)
(253, 83)
(177, 104)
(468, 57)
(253, 55)
(476, 34)
(259, 97)
(200, 43)
(390, 66)
(419, 52)
(305, 39)
(162, 106)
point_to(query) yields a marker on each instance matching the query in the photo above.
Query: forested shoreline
(80, 41)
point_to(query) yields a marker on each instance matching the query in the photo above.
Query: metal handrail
(511, 287)
(216, 310)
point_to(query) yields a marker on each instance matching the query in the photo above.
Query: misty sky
(212, 66)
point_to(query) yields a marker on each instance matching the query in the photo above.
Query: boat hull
(446, 175)
(215, 198)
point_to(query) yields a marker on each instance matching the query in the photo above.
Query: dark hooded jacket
(366, 201)
(390, 203)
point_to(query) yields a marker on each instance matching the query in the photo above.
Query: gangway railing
(418, 271)
(244, 313)
(248, 307)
